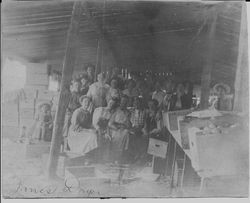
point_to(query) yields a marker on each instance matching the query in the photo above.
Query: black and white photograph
(124, 99)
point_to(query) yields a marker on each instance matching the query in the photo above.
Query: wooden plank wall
(37, 76)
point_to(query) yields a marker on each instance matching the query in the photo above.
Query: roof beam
(68, 67)
(102, 33)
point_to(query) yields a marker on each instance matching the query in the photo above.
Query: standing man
(98, 91)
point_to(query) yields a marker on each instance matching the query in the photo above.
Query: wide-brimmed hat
(83, 97)
(42, 104)
(222, 85)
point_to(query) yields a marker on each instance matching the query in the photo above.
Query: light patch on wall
(13, 75)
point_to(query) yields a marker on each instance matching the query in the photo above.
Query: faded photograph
(124, 99)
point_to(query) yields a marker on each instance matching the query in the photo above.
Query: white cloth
(82, 142)
(100, 112)
(112, 93)
(159, 96)
(98, 93)
(132, 93)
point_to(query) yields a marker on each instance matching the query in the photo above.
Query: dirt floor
(22, 177)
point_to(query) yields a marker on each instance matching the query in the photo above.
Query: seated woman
(119, 125)
(113, 92)
(72, 106)
(100, 121)
(82, 139)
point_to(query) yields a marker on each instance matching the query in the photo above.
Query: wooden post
(241, 78)
(68, 66)
(18, 111)
(109, 40)
(207, 69)
(97, 58)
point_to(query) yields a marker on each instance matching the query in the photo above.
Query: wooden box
(157, 148)
(46, 94)
(36, 68)
(170, 119)
(184, 125)
(37, 79)
(219, 153)
(36, 87)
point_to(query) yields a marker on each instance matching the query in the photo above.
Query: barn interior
(203, 42)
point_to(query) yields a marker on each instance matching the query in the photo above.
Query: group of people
(119, 114)
(115, 117)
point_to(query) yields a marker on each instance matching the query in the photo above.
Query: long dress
(82, 139)
(113, 93)
(100, 114)
(120, 136)
(100, 121)
(73, 105)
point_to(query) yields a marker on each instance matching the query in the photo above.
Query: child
(45, 123)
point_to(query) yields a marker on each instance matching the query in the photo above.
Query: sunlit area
(13, 75)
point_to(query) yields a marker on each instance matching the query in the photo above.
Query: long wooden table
(176, 153)
(175, 145)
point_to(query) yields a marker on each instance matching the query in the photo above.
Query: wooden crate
(46, 94)
(184, 125)
(170, 119)
(37, 79)
(217, 154)
(36, 68)
(36, 87)
(157, 148)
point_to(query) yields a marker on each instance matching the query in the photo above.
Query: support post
(207, 69)
(109, 40)
(241, 78)
(68, 66)
(98, 53)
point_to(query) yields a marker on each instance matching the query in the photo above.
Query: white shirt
(98, 93)
(159, 96)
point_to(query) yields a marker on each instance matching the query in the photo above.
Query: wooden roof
(163, 35)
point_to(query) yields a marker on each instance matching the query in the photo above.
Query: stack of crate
(10, 114)
(44, 96)
(37, 76)
(27, 108)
